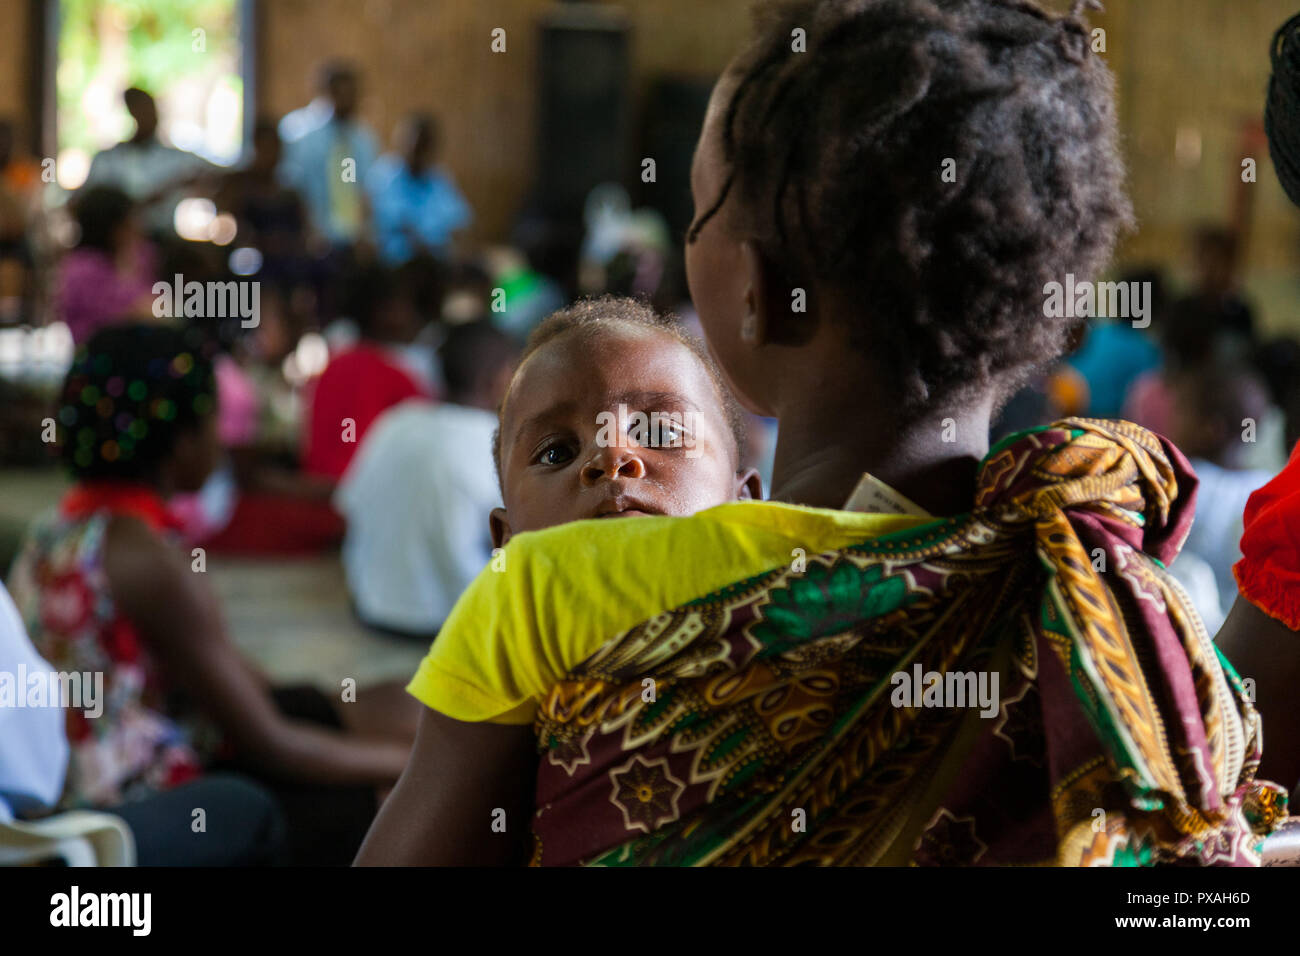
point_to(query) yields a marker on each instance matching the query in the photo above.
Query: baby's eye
(671, 435)
(555, 455)
(665, 435)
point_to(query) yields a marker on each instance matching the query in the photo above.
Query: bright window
(186, 53)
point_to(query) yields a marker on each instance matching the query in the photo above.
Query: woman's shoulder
(760, 524)
(634, 568)
(550, 598)
(136, 558)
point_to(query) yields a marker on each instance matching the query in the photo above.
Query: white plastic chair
(1282, 846)
(78, 837)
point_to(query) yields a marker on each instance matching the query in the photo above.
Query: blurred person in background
(146, 168)
(109, 275)
(1216, 300)
(270, 216)
(1113, 353)
(417, 207)
(1218, 411)
(368, 378)
(255, 502)
(418, 494)
(246, 826)
(102, 587)
(329, 162)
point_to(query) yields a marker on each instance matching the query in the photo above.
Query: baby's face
(621, 423)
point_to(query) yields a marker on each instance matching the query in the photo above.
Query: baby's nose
(613, 462)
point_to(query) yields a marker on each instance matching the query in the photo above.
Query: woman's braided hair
(1282, 111)
(836, 155)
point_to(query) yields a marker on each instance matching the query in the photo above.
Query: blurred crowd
(307, 353)
(365, 265)
(1198, 370)
(364, 260)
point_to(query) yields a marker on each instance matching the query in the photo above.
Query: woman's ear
(499, 523)
(774, 313)
(749, 485)
(754, 320)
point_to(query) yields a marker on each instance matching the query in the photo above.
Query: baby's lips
(624, 507)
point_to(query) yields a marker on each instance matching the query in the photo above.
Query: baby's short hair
(606, 313)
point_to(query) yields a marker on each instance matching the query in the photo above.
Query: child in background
(362, 382)
(109, 276)
(417, 207)
(418, 494)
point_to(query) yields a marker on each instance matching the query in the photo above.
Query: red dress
(1269, 572)
(355, 388)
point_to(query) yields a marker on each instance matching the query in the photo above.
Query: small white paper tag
(874, 496)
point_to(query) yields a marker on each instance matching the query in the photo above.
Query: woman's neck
(822, 452)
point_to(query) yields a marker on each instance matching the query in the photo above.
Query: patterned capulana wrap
(762, 724)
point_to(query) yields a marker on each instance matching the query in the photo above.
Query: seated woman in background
(794, 681)
(101, 588)
(109, 276)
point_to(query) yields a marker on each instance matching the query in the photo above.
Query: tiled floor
(290, 616)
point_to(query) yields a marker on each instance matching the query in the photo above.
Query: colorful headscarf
(762, 724)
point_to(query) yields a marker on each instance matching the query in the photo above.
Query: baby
(614, 412)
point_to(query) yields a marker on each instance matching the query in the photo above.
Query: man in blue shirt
(416, 204)
(329, 162)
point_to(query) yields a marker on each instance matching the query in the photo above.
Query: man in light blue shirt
(329, 162)
(416, 204)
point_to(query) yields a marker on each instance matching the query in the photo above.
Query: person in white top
(418, 494)
(145, 168)
(33, 742)
(1218, 410)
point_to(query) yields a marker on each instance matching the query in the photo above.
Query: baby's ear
(499, 524)
(749, 485)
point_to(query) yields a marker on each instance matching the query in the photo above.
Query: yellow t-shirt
(565, 591)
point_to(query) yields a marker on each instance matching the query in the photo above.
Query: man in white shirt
(148, 171)
(418, 493)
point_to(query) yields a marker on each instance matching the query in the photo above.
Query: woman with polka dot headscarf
(103, 588)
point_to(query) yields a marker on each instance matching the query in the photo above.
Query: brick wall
(1196, 65)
